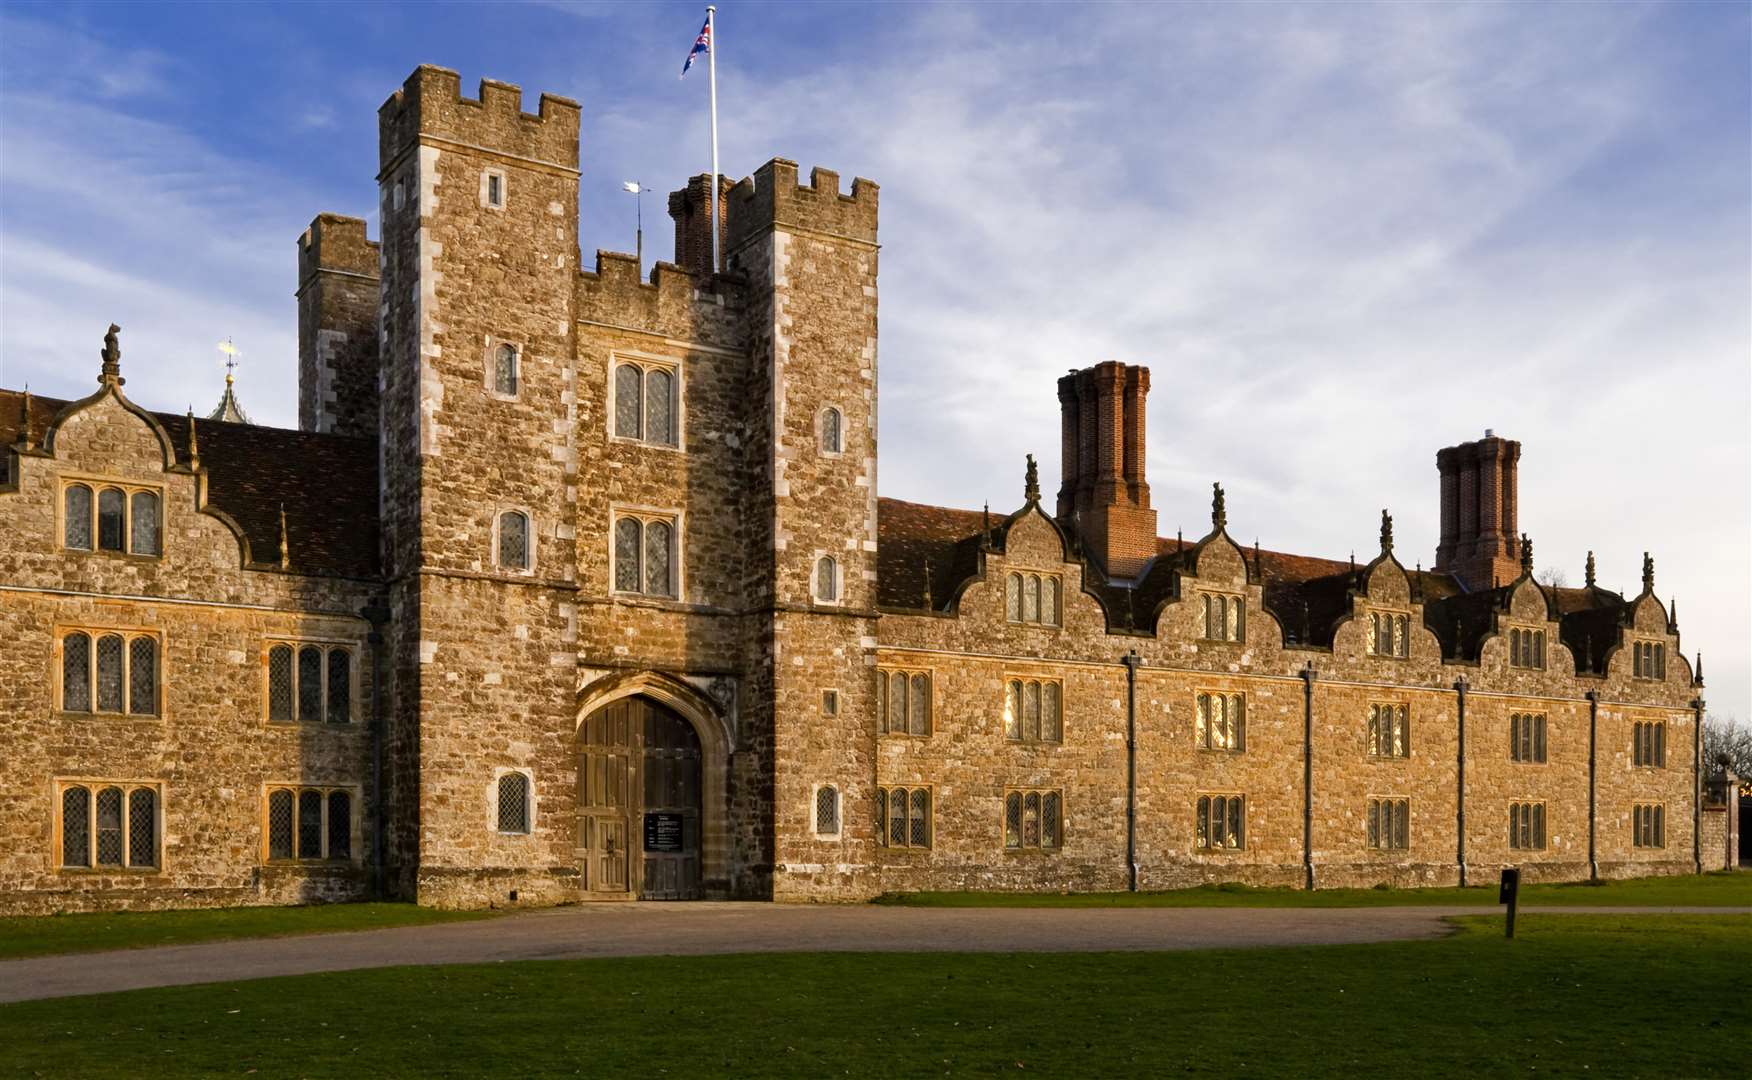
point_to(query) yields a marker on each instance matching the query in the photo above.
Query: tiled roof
(327, 484)
(924, 551)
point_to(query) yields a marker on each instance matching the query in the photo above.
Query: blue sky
(1342, 236)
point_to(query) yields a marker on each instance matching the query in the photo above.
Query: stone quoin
(575, 584)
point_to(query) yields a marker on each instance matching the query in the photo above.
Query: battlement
(336, 242)
(430, 104)
(772, 196)
(671, 303)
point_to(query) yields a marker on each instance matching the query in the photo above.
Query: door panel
(639, 802)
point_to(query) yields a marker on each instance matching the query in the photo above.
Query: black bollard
(1509, 893)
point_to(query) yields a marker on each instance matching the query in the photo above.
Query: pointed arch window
(647, 402)
(827, 580)
(831, 437)
(505, 370)
(514, 549)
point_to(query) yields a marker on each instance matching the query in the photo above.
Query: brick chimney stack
(693, 237)
(1104, 496)
(1480, 542)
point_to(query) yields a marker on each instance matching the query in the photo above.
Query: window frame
(1025, 580)
(839, 449)
(96, 485)
(645, 515)
(839, 581)
(885, 675)
(355, 679)
(1526, 642)
(1232, 611)
(1537, 817)
(884, 836)
(1648, 744)
(1377, 824)
(1022, 845)
(493, 793)
(1024, 680)
(1203, 743)
(1648, 826)
(1534, 730)
(647, 363)
(92, 786)
(487, 201)
(128, 634)
(1202, 806)
(490, 369)
(355, 845)
(1398, 625)
(839, 811)
(529, 540)
(1399, 716)
(1648, 660)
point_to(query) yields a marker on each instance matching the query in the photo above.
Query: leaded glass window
(505, 370)
(907, 815)
(658, 580)
(280, 684)
(1221, 722)
(1649, 744)
(660, 407)
(1220, 822)
(1527, 648)
(919, 820)
(1013, 710)
(918, 706)
(1013, 820)
(1387, 731)
(1649, 826)
(826, 579)
(830, 431)
(629, 404)
(1051, 820)
(1052, 716)
(143, 676)
(897, 804)
(1013, 597)
(1031, 819)
(76, 672)
(1032, 598)
(1527, 826)
(340, 825)
(143, 523)
(280, 817)
(1527, 738)
(310, 832)
(513, 803)
(142, 827)
(1049, 601)
(1389, 826)
(514, 540)
(109, 827)
(1031, 711)
(112, 511)
(310, 684)
(626, 554)
(77, 518)
(827, 810)
(109, 673)
(76, 827)
(340, 686)
(897, 683)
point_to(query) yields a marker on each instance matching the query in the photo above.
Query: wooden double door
(639, 802)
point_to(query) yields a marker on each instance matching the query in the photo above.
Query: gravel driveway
(691, 929)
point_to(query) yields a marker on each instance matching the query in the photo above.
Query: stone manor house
(573, 585)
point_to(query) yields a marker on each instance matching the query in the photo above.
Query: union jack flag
(702, 44)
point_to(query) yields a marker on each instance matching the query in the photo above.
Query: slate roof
(327, 484)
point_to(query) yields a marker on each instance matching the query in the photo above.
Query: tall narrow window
(77, 518)
(494, 183)
(76, 672)
(310, 684)
(143, 676)
(1220, 821)
(658, 581)
(1387, 731)
(827, 810)
(1224, 618)
(281, 813)
(918, 707)
(826, 580)
(109, 673)
(143, 523)
(627, 540)
(830, 431)
(629, 401)
(514, 540)
(76, 827)
(110, 850)
(142, 827)
(505, 370)
(1527, 738)
(340, 686)
(310, 831)
(919, 819)
(1389, 824)
(112, 511)
(340, 825)
(513, 799)
(660, 407)
(1049, 601)
(1013, 597)
(280, 684)
(1527, 826)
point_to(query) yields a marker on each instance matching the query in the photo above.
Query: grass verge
(45, 935)
(1573, 995)
(1725, 888)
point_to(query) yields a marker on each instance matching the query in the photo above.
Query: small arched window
(514, 540)
(143, 523)
(505, 370)
(629, 401)
(660, 407)
(76, 827)
(830, 431)
(513, 803)
(109, 673)
(76, 673)
(645, 556)
(827, 580)
(658, 579)
(143, 676)
(77, 518)
(827, 810)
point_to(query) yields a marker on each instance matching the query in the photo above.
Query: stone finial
(1219, 508)
(1697, 677)
(24, 418)
(1258, 562)
(1648, 572)
(925, 591)
(112, 358)
(1673, 615)
(1588, 571)
(1031, 481)
(1526, 555)
(285, 551)
(1386, 533)
(985, 520)
(194, 442)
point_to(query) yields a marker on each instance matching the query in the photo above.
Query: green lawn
(46, 934)
(1573, 995)
(1725, 888)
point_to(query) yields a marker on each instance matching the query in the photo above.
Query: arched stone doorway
(653, 757)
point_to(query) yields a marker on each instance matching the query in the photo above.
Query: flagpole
(712, 75)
